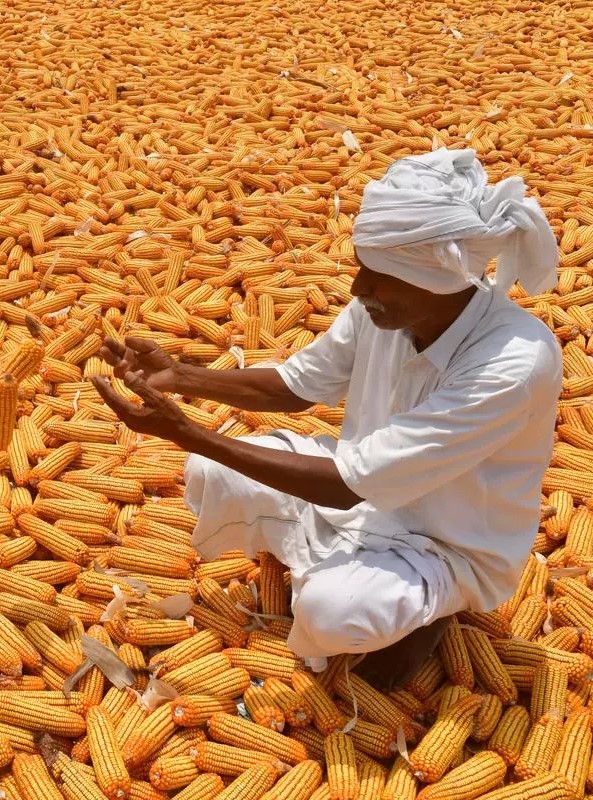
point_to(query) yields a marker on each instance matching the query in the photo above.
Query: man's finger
(122, 407)
(136, 383)
(140, 345)
(114, 346)
(109, 356)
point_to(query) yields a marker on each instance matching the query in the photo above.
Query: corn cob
(227, 729)
(342, 774)
(204, 787)
(226, 760)
(454, 656)
(111, 772)
(574, 751)
(196, 709)
(550, 685)
(480, 774)
(252, 784)
(174, 772)
(488, 666)
(298, 784)
(540, 746)
(436, 750)
(263, 709)
(33, 779)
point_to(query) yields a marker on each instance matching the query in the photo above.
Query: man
(429, 503)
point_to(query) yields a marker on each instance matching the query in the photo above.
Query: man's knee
(337, 621)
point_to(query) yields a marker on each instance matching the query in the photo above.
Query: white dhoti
(350, 594)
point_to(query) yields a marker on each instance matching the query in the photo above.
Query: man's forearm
(254, 389)
(314, 479)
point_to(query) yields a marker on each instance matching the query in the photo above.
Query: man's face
(392, 303)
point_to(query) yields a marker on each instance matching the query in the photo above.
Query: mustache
(370, 303)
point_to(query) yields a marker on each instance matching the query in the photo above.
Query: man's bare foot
(394, 666)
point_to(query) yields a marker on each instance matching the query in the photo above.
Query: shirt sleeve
(321, 371)
(448, 434)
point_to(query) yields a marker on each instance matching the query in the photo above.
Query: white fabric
(433, 221)
(345, 599)
(447, 447)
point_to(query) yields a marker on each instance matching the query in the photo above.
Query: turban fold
(433, 221)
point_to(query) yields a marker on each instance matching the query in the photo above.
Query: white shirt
(447, 447)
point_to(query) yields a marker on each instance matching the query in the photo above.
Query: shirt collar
(439, 353)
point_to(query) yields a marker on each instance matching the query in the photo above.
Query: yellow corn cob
(263, 709)
(272, 591)
(230, 684)
(201, 644)
(148, 736)
(226, 760)
(35, 716)
(529, 617)
(544, 787)
(296, 709)
(26, 587)
(252, 784)
(11, 664)
(433, 755)
(17, 458)
(99, 513)
(152, 633)
(371, 781)
(8, 408)
(574, 751)
(482, 773)
(231, 730)
(87, 431)
(51, 647)
(55, 540)
(488, 666)
(142, 561)
(266, 642)
(579, 538)
(487, 717)
(342, 774)
(540, 746)
(24, 360)
(218, 600)
(183, 742)
(204, 787)
(196, 709)
(454, 656)
(225, 571)
(263, 665)
(563, 638)
(21, 610)
(21, 739)
(322, 793)
(33, 779)
(15, 551)
(111, 772)
(298, 784)
(173, 772)
(550, 684)
(371, 704)
(518, 651)
(75, 783)
(428, 678)
(492, 623)
(510, 734)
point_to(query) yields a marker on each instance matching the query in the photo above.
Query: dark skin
(150, 373)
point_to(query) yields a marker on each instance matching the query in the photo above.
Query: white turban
(433, 221)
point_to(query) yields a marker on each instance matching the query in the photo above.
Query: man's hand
(159, 416)
(142, 357)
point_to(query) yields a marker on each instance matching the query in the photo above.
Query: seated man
(429, 502)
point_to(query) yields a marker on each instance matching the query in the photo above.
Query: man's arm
(311, 478)
(251, 389)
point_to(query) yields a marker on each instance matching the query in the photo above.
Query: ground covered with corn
(189, 172)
